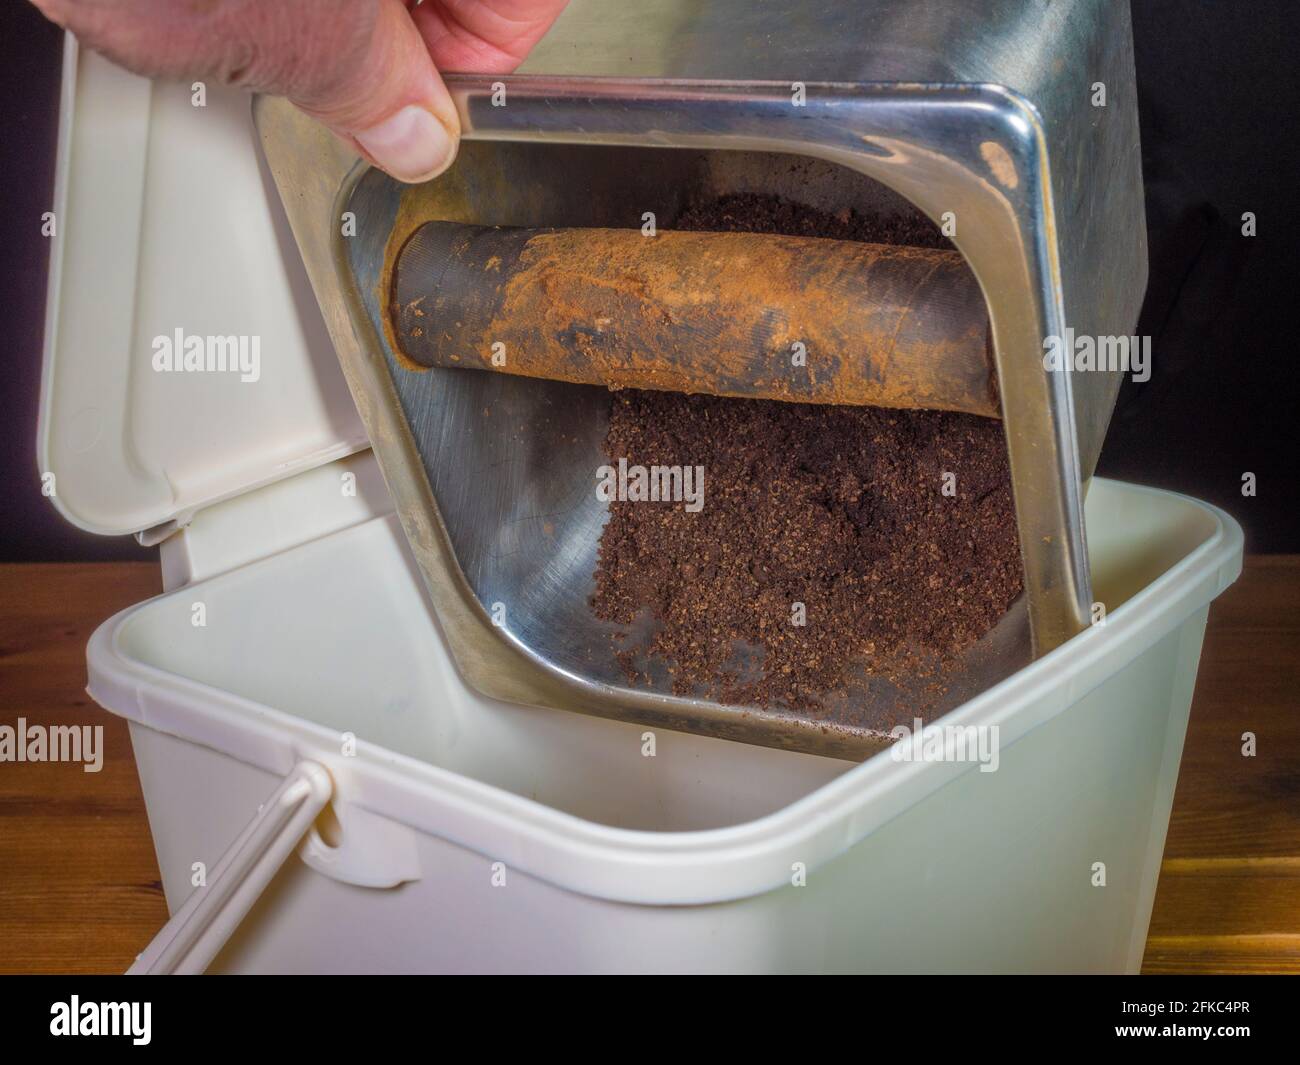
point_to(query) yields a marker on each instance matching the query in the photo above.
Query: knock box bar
(733, 314)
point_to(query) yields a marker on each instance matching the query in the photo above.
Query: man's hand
(368, 69)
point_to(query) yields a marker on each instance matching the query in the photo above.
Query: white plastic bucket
(475, 835)
(478, 836)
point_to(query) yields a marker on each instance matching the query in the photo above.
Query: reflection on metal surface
(981, 109)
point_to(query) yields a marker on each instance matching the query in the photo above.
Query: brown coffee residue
(840, 509)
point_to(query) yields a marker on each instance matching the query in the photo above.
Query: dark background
(1219, 99)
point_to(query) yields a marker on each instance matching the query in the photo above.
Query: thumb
(359, 66)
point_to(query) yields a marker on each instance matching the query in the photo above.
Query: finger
(359, 66)
(484, 36)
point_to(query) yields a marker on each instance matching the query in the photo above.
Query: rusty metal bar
(734, 314)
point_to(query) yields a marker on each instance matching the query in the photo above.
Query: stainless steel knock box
(1015, 119)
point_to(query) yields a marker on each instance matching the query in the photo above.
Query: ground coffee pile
(840, 509)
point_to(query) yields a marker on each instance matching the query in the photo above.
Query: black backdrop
(1219, 98)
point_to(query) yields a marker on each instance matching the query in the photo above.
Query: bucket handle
(207, 919)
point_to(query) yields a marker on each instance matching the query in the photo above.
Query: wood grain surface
(79, 887)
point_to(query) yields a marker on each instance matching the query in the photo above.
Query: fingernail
(411, 145)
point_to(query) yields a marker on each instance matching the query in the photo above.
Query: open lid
(170, 248)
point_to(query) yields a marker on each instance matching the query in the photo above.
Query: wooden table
(79, 887)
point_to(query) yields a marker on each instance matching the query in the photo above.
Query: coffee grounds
(840, 509)
(749, 212)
